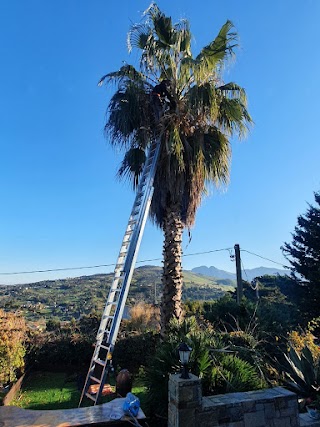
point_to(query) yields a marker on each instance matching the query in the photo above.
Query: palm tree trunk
(172, 270)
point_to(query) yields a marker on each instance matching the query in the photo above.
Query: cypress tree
(303, 253)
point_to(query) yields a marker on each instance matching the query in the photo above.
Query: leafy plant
(12, 346)
(220, 372)
(231, 374)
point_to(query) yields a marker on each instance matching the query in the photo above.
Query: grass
(57, 390)
(48, 390)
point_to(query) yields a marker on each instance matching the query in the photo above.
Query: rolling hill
(73, 297)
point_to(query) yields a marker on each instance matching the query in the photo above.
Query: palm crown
(195, 133)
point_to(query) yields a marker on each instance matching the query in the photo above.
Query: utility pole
(238, 268)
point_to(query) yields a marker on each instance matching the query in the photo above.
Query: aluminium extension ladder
(101, 362)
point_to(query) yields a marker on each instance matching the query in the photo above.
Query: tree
(183, 101)
(303, 253)
(12, 349)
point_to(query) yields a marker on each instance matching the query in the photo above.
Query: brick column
(185, 398)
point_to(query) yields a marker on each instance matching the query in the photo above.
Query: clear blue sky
(61, 203)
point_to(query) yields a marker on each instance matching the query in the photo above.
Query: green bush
(134, 351)
(226, 309)
(219, 371)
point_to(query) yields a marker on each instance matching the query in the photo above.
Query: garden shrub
(219, 371)
(12, 346)
(134, 351)
(143, 317)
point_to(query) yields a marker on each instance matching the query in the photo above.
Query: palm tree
(199, 115)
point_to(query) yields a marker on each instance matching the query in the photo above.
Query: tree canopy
(303, 253)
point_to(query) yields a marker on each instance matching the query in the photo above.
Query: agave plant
(302, 372)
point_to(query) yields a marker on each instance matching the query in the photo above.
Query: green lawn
(56, 390)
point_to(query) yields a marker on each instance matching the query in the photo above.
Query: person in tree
(162, 97)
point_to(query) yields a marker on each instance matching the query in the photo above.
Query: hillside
(74, 297)
(249, 274)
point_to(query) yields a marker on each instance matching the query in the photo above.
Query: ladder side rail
(135, 246)
(134, 230)
(128, 269)
(117, 272)
(125, 289)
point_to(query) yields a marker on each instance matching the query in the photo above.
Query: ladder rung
(104, 347)
(112, 303)
(95, 379)
(119, 265)
(89, 396)
(100, 362)
(108, 316)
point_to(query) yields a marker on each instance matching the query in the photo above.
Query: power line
(243, 269)
(267, 259)
(103, 265)
(138, 262)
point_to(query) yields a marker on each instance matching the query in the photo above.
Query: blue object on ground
(131, 405)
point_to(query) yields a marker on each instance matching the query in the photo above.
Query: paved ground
(306, 421)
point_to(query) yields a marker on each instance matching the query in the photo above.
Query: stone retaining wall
(276, 407)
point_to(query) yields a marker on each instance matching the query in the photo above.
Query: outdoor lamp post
(184, 354)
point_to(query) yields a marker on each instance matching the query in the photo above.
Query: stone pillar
(185, 398)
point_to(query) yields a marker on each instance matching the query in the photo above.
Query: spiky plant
(231, 373)
(302, 372)
(195, 128)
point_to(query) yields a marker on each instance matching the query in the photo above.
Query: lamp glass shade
(184, 353)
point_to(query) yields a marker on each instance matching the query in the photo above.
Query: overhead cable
(102, 265)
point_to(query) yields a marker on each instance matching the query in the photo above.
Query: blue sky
(61, 203)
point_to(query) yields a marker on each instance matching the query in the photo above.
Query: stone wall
(276, 407)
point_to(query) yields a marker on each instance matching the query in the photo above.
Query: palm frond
(126, 72)
(212, 57)
(152, 12)
(220, 48)
(203, 100)
(132, 165)
(164, 29)
(183, 37)
(232, 90)
(138, 36)
(129, 115)
(233, 117)
(216, 156)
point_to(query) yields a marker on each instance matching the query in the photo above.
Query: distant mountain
(249, 274)
(214, 272)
